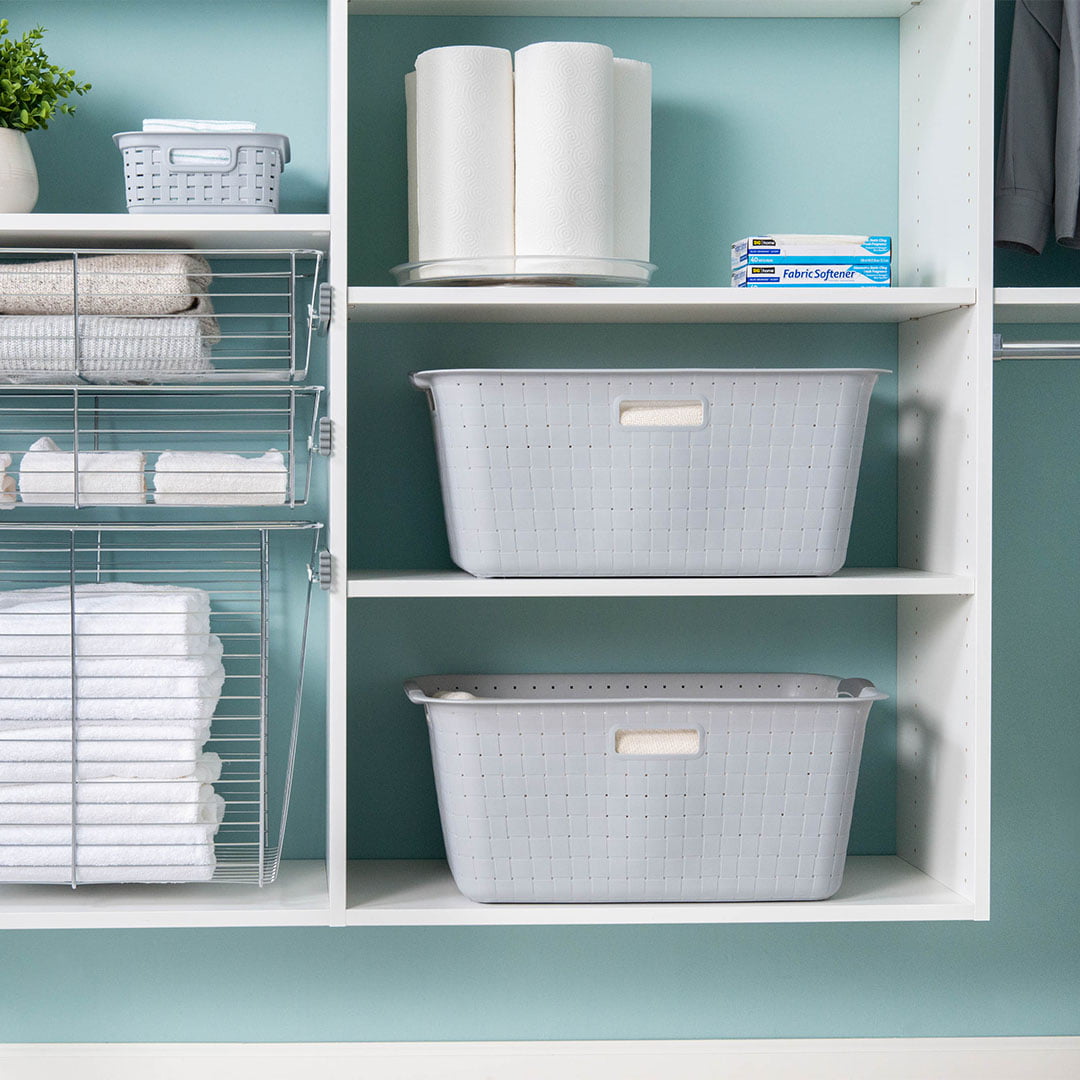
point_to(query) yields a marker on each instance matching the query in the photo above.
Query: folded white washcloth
(7, 484)
(111, 688)
(165, 125)
(115, 618)
(209, 479)
(134, 283)
(106, 478)
(35, 347)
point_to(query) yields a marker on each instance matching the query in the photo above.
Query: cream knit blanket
(130, 284)
(37, 346)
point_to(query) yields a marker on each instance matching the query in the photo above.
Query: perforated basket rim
(415, 690)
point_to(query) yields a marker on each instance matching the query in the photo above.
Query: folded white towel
(177, 802)
(109, 478)
(147, 760)
(134, 283)
(40, 346)
(116, 618)
(171, 871)
(158, 124)
(111, 688)
(208, 479)
(7, 484)
(34, 835)
(108, 863)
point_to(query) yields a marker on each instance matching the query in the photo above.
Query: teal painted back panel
(742, 109)
(196, 59)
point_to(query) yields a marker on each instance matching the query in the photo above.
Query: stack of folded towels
(141, 316)
(104, 716)
(47, 476)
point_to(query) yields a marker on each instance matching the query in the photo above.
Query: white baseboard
(707, 1059)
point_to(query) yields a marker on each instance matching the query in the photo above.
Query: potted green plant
(32, 92)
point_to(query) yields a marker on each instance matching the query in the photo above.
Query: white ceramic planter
(18, 174)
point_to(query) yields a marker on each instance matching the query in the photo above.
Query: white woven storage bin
(648, 472)
(161, 177)
(622, 788)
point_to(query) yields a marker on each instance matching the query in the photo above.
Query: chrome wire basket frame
(140, 669)
(195, 446)
(157, 315)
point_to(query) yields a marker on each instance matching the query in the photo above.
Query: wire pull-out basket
(143, 316)
(186, 446)
(150, 699)
(594, 788)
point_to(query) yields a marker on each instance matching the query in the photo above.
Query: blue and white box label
(812, 248)
(803, 274)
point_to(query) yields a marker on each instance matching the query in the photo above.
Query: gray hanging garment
(1038, 167)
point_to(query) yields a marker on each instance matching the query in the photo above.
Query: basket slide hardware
(322, 442)
(320, 312)
(321, 570)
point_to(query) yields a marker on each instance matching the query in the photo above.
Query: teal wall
(1017, 974)
(199, 59)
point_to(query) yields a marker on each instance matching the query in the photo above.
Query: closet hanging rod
(1035, 350)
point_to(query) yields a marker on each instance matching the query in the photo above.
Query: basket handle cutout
(202, 159)
(662, 413)
(658, 742)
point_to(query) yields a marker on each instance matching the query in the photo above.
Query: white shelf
(298, 898)
(261, 231)
(505, 304)
(853, 582)
(803, 9)
(1037, 305)
(421, 893)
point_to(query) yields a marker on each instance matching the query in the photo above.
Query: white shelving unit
(1036, 305)
(269, 231)
(877, 888)
(941, 581)
(659, 305)
(853, 581)
(940, 869)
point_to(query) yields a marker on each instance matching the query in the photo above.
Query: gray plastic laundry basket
(648, 472)
(158, 179)
(604, 788)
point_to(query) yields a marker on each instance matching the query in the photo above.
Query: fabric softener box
(807, 248)
(851, 275)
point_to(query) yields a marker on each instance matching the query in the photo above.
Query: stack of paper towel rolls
(547, 157)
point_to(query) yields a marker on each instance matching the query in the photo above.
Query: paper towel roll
(633, 158)
(410, 159)
(464, 152)
(564, 134)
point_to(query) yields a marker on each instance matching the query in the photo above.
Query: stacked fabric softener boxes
(845, 261)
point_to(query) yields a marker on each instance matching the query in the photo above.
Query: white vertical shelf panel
(944, 438)
(940, 221)
(337, 533)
